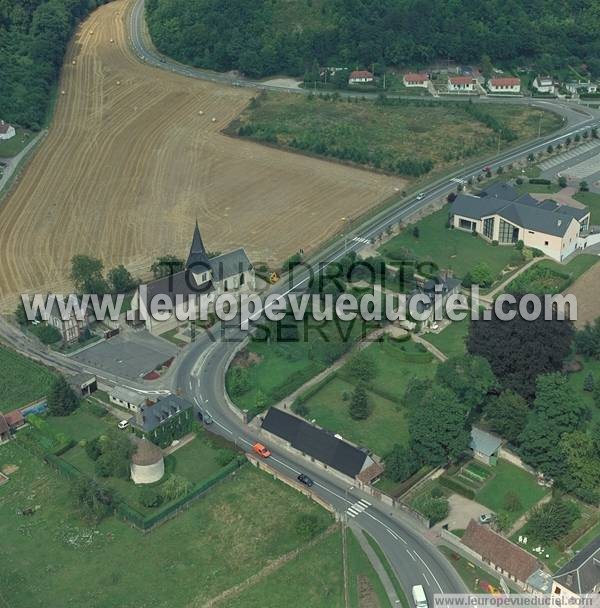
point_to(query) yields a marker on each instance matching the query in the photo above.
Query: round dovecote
(147, 463)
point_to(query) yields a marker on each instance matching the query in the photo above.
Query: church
(202, 275)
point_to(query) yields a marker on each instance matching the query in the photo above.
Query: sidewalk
(523, 519)
(377, 565)
(489, 297)
(436, 352)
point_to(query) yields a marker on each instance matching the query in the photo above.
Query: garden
(392, 364)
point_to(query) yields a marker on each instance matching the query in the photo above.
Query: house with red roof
(507, 84)
(413, 79)
(360, 77)
(461, 84)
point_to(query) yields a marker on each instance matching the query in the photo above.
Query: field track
(130, 163)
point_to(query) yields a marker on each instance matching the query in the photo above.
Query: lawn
(538, 188)
(385, 136)
(592, 200)
(217, 543)
(451, 340)
(510, 478)
(386, 424)
(82, 424)
(446, 248)
(549, 277)
(14, 145)
(576, 381)
(277, 368)
(21, 381)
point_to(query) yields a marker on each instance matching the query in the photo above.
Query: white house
(461, 84)
(360, 77)
(201, 279)
(507, 84)
(503, 216)
(415, 80)
(6, 131)
(544, 84)
(579, 87)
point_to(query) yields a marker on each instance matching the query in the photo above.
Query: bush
(301, 409)
(149, 497)
(435, 509)
(175, 487)
(307, 526)
(540, 180)
(457, 487)
(224, 457)
(46, 333)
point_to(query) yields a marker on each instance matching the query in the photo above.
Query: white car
(123, 424)
(420, 196)
(419, 597)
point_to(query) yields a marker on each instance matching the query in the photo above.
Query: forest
(33, 38)
(264, 37)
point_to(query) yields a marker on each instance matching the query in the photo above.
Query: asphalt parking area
(130, 355)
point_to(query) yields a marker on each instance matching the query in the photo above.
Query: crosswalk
(360, 239)
(357, 508)
(585, 168)
(565, 156)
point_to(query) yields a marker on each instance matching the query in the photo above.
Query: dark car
(306, 480)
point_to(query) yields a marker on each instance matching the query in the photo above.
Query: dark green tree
(469, 377)
(359, 403)
(166, 265)
(62, 400)
(400, 463)
(86, 274)
(120, 280)
(507, 414)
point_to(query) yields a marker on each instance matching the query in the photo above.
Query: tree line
(261, 37)
(33, 38)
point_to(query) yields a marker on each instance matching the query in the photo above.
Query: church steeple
(197, 256)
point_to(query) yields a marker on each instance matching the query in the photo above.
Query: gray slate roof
(197, 256)
(524, 212)
(484, 442)
(322, 445)
(183, 283)
(582, 573)
(128, 395)
(151, 416)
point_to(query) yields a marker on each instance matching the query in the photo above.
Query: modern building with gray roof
(502, 216)
(203, 279)
(580, 575)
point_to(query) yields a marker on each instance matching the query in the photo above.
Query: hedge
(457, 487)
(540, 180)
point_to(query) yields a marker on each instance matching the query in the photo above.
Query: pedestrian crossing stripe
(360, 239)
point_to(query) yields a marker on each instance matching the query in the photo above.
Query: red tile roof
(14, 418)
(412, 77)
(499, 551)
(3, 425)
(361, 74)
(505, 82)
(461, 79)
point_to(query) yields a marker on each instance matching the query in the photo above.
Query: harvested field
(587, 291)
(130, 163)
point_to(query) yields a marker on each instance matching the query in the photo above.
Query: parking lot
(130, 355)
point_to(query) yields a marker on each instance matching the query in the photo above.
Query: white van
(123, 424)
(419, 596)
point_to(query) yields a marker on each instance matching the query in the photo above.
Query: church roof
(197, 256)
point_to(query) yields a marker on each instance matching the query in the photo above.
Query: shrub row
(455, 486)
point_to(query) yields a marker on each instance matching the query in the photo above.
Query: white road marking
(425, 577)
(430, 572)
(244, 440)
(223, 427)
(411, 555)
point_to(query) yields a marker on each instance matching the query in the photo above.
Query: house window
(225, 286)
(488, 228)
(466, 225)
(546, 243)
(508, 233)
(242, 279)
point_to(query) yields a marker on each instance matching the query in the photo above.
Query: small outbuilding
(485, 446)
(6, 131)
(147, 463)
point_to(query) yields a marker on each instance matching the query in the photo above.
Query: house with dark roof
(164, 420)
(436, 292)
(322, 447)
(202, 276)
(501, 554)
(580, 575)
(503, 216)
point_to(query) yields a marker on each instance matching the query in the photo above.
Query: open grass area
(276, 368)
(451, 340)
(82, 424)
(510, 478)
(592, 200)
(395, 137)
(14, 145)
(21, 380)
(220, 541)
(549, 277)
(386, 424)
(451, 249)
